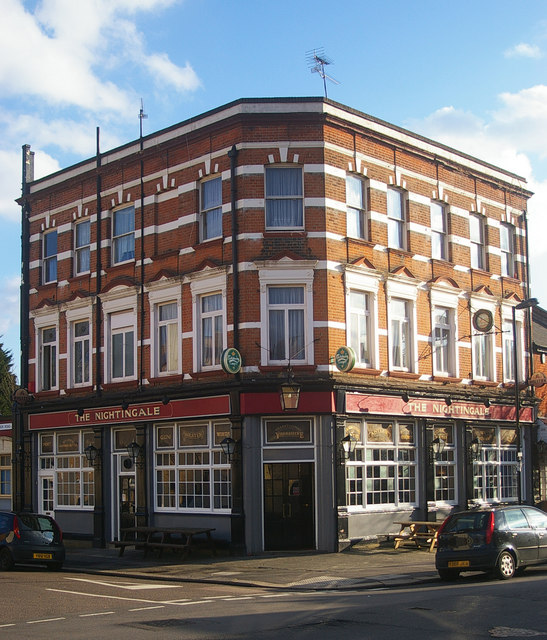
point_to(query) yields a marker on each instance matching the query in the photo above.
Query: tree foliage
(7, 381)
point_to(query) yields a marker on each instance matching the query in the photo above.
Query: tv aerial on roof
(317, 61)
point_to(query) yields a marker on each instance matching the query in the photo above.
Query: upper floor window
(211, 209)
(50, 257)
(48, 358)
(507, 245)
(212, 329)
(483, 352)
(284, 198)
(396, 222)
(443, 341)
(81, 352)
(508, 351)
(360, 327)
(122, 347)
(82, 240)
(123, 235)
(167, 337)
(439, 249)
(356, 207)
(286, 323)
(401, 337)
(477, 238)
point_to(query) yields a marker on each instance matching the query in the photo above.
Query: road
(67, 605)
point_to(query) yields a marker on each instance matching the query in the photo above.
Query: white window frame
(270, 199)
(497, 461)
(358, 280)
(50, 259)
(356, 208)
(407, 293)
(477, 236)
(5, 474)
(203, 285)
(41, 323)
(73, 317)
(82, 249)
(508, 250)
(156, 298)
(206, 212)
(446, 466)
(289, 273)
(439, 230)
(173, 459)
(397, 219)
(443, 297)
(120, 314)
(118, 238)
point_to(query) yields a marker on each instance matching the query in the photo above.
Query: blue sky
(470, 74)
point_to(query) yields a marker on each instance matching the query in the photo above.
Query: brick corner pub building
(332, 298)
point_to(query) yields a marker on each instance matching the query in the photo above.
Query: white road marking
(129, 586)
(99, 613)
(45, 620)
(7, 625)
(155, 602)
(161, 606)
(231, 599)
(275, 595)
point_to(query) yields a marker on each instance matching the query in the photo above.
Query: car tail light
(489, 528)
(16, 529)
(443, 525)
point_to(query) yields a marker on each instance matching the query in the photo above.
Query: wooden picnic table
(174, 538)
(418, 532)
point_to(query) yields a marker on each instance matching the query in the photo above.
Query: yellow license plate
(458, 564)
(42, 556)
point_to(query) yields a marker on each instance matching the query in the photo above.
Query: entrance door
(288, 506)
(46, 495)
(126, 496)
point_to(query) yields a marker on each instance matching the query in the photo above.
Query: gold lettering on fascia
(442, 408)
(119, 414)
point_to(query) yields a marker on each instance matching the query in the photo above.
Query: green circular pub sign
(345, 359)
(230, 360)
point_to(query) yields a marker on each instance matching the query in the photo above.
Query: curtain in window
(83, 238)
(284, 197)
(283, 320)
(211, 206)
(124, 239)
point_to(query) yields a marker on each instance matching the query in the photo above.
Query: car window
(467, 522)
(537, 519)
(35, 523)
(5, 521)
(516, 519)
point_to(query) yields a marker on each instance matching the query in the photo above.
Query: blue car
(501, 540)
(30, 538)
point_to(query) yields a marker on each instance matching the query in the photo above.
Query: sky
(470, 74)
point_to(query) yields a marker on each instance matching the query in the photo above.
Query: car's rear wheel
(506, 566)
(448, 574)
(6, 560)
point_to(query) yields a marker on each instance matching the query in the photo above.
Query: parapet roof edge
(287, 104)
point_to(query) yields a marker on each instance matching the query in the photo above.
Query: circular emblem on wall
(345, 359)
(22, 396)
(230, 360)
(538, 379)
(483, 320)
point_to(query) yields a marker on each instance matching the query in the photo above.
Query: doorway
(126, 501)
(289, 506)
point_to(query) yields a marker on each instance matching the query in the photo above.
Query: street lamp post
(525, 304)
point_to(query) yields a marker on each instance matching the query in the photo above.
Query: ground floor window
(445, 465)
(495, 467)
(192, 473)
(382, 467)
(5, 475)
(61, 457)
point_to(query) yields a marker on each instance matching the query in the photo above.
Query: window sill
(489, 383)
(446, 379)
(273, 368)
(131, 384)
(295, 233)
(86, 388)
(408, 375)
(366, 371)
(168, 378)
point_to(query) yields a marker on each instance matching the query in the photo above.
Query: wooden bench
(417, 532)
(148, 538)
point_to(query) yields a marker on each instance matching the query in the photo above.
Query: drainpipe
(141, 350)
(98, 279)
(232, 154)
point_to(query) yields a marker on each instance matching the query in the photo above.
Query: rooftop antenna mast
(317, 61)
(142, 116)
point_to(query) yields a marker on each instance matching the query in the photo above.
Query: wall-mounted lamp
(475, 449)
(486, 402)
(135, 452)
(165, 400)
(80, 412)
(347, 445)
(405, 397)
(125, 405)
(448, 401)
(289, 393)
(436, 448)
(228, 446)
(92, 454)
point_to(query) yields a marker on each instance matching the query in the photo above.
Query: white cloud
(523, 50)
(9, 294)
(60, 53)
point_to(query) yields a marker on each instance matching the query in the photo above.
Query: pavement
(362, 566)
